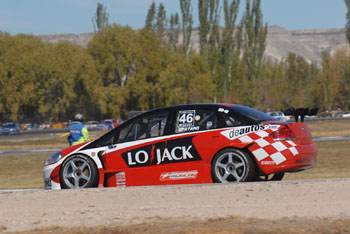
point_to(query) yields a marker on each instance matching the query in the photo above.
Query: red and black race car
(186, 144)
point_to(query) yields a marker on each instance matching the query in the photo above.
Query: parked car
(11, 128)
(278, 115)
(186, 144)
(346, 114)
(109, 124)
(92, 124)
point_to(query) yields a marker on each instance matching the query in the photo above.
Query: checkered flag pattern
(265, 147)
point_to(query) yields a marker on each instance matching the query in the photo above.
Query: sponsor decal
(120, 179)
(175, 151)
(223, 110)
(179, 175)
(268, 163)
(185, 121)
(240, 131)
(273, 126)
(209, 124)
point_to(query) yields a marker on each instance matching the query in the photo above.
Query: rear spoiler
(301, 112)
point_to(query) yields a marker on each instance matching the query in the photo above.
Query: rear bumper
(305, 159)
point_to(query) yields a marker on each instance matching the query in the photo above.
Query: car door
(137, 147)
(198, 124)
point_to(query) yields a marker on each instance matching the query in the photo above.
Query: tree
(186, 13)
(20, 62)
(67, 82)
(161, 23)
(100, 20)
(115, 52)
(208, 25)
(254, 37)
(150, 19)
(42, 81)
(229, 47)
(347, 26)
(174, 31)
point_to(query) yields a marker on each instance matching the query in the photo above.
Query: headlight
(53, 159)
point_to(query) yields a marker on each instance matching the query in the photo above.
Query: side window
(195, 120)
(230, 121)
(152, 125)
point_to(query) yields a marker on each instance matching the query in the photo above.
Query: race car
(186, 144)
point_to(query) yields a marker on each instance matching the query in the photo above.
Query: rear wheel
(232, 165)
(77, 172)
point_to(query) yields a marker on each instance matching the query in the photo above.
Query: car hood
(70, 149)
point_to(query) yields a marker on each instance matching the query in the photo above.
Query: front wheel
(78, 172)
(232, 165)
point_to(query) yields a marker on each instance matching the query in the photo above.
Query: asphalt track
(40, 133)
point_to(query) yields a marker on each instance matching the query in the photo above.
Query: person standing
(78, 133)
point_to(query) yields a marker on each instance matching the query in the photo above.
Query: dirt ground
(320, 206)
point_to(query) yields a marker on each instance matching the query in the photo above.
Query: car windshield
(252, 113)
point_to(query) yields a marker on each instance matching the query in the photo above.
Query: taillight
(283, 134)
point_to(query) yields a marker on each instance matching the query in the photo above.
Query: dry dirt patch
(185, 208)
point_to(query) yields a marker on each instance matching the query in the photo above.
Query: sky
(75, 16)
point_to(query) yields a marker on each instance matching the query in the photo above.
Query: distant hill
(280, 42)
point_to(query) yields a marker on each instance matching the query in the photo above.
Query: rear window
(252, 113)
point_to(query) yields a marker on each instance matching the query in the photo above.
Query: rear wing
(301, 112)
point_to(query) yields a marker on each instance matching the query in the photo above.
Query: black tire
(232, 165)
(77, 172)
(271, 177)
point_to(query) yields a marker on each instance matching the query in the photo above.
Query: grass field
(25, 171)
(330, 128)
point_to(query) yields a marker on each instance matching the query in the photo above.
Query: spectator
(78, 133)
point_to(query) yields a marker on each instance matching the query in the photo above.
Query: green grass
(333, 161)
(330, 128)
(22, 171)
(25, 171)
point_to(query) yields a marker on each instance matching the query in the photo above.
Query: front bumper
(48, 181)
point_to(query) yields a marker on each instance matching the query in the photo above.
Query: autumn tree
(20, 63)
(44, 81)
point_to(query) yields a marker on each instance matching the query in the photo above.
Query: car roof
(195, 105)
(186, 106)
